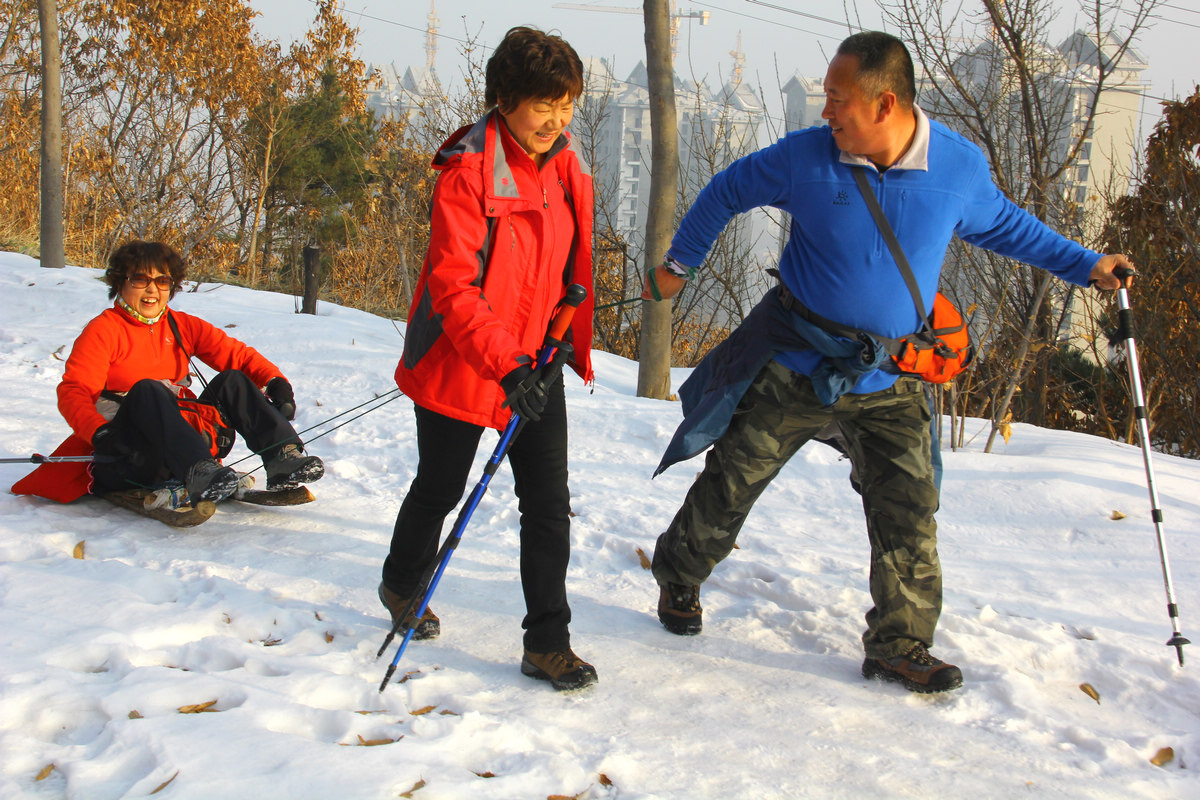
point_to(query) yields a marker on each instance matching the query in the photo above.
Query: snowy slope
(272, 614)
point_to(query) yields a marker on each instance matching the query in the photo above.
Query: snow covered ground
(270, 615)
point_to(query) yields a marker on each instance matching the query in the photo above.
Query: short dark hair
(530, 64)
(883, 65)
(136, 256)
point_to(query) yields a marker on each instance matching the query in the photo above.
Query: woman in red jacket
(511, 229)
(127, 379)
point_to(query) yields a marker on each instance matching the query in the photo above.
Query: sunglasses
(141, 281)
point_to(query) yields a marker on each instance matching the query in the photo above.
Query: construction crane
(675, 16)
(431, 36)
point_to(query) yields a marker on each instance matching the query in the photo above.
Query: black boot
(208, 480)
(290, 467)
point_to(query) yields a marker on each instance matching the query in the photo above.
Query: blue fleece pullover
(836, 261)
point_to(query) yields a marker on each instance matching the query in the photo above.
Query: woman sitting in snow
(125, 395)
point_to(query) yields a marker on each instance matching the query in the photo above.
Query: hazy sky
(773, 38)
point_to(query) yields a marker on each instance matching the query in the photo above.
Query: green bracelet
(653, 283)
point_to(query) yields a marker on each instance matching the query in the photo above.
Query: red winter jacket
(115, 351)
(506, 240)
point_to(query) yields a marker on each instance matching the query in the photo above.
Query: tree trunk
(654, 364)
(51, 234)
(312, 273)
(1018, 373)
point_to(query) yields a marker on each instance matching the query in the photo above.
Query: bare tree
(51, 242)
(654, 365)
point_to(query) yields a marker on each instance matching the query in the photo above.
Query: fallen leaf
(328, 637)
(135, 714)
(1163, 757)
(78, 552)
(1117, 515)
(418, 785)
(381, 711)
(317, 614)
(486, 774)
(56, 353)
(422, 711)
(1090, 691)
(408, 675)
(166, 783)
(645, 562)
(45, 773)
(271, 641)
(604, 781)
(445, 712)
(198, 708)
(375, 742)
(228, 619)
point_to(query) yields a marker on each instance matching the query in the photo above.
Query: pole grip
(565, 312)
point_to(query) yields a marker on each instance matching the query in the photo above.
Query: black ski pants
(538, 457)
(154, 443)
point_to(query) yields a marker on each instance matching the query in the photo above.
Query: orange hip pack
(941, 349)
(208, 421)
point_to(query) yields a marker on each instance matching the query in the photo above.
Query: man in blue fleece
(787, 378)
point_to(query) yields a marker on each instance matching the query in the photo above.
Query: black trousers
(538, 457)
(155, 443)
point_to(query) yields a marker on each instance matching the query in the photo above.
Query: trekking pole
(411, 617)
(38, 458)
(1125, 332)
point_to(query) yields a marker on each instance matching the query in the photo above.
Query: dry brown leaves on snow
(645, 562)
(166, 783)
(199, 708)
(371, 742)
(418, 785)
(1163, 757)
(1090, 691)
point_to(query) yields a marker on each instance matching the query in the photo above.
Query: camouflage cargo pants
(888, 441)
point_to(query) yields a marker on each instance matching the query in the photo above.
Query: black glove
(524, 393)
(280, 395)
(525, 389)
(108, 445)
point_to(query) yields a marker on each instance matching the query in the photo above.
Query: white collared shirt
(915, 157)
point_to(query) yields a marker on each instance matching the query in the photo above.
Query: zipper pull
(545, 198)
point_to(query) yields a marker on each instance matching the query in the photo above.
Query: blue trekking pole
(411, 617)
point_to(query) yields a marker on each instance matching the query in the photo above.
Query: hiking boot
(562, 668)
(917, 670)
(290, 467)
(208, 480)
(679, 609)
(428, 628)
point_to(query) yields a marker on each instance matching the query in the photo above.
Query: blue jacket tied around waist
(712, 393)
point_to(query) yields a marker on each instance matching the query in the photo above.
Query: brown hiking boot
(679, 609)
(562, 668)
(917, 670)
(428, 628)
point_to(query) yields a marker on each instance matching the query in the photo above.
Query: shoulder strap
(179, 341)
(889, 236)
